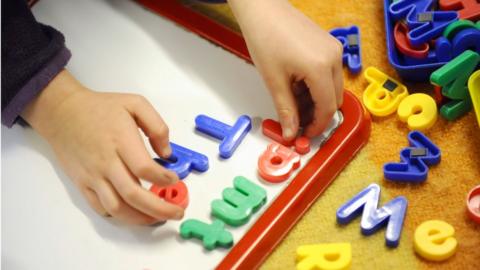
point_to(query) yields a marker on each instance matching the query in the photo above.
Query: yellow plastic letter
(324, 256)
(434, 240)
(474, 88)
(383, 94)
(419, 111)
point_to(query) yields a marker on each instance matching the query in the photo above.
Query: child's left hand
(300, 63)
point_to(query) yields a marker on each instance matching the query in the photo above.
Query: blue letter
(350, 39)
(423, 23)
(231, 136)
(183, 161)
(392, 213)
(415, 160)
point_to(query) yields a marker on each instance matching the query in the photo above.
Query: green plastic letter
(213, 235)
(240, 202)
(453, 77)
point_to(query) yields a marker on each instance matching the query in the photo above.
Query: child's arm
(95, 137)
(297, 59)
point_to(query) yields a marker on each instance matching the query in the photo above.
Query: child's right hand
(96, 139)
(300, 63)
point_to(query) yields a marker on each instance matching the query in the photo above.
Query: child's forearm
(41, 112)
(242, 9)
(239, 7)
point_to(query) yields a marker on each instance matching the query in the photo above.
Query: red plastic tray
(274, 224)
(200, 24)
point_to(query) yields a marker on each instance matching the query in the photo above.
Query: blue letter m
(366, 201)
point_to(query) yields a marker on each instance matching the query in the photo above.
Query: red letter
(277, 163)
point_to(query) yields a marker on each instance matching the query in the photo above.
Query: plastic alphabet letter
(383, 94)
(176, 193)
(273, 130)
(434, 240)
(453, 77)
(403, 44)
(277, 163)
(437, 93)
(458, 37)
(467, 9)
(413, 168)
(418, 110)
(423, 23)
(240, 202)
(231, 136)
(183, 161)
(392, 213)
(324, 256)
(213, 235)
(302, 145)
(458, 26)
(474, 88)
(467, 39)
(350, 39)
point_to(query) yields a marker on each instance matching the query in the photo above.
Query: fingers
(304, 101)
(285, 104)
(94, 202)
(322, 88)
(152, 124)
(139, 198)
(133, 153)
(338, 81)
(117, 208)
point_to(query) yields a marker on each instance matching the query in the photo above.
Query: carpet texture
(442, 196)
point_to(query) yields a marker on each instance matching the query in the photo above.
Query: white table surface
(119, 46)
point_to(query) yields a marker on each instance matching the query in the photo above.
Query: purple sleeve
(34, 86)
(32, 55)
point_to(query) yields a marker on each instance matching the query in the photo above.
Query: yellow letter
(474, 88)
(383, 94)
(419, 111)
(434, 240)
(324, 256)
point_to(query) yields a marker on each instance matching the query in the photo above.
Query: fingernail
(167, 151)
(287, 132)
(288, 126)
(178, 215)
(158, 223)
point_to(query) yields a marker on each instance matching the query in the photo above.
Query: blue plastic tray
(407, 71)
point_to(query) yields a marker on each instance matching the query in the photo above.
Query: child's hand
(300, 63)
(96, 139)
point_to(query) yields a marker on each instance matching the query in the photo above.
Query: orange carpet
(442, 196)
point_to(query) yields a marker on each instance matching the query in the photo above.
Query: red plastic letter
(467, 9)
(277, 163)
(403, 44)
(302, 145)
(273, 130)
(176, 194)
(437, 95)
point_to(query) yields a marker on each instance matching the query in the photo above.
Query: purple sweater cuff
(34, 86)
